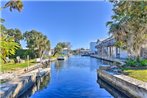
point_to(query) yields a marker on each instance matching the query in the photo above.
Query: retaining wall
(18, 86)
(127, 85)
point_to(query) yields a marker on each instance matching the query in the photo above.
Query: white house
(65, 51)
(93, 48)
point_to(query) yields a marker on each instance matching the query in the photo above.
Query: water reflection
(73, 78)
(40, 84)
(59, 65)
(110, 89)
(109, 62)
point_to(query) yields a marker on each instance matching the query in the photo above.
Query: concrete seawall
(108, 59)
(21, 84)
(110, 89)
(131, 87)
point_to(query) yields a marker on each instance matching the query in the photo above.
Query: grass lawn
(140, 74)
(54, 57)
(13, 66)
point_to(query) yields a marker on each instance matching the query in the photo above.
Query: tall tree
(37, 42)
(16, 33)
(8, 46)
(57, 49)
(129, 25)
(60, 46)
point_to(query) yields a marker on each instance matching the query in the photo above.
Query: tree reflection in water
(40, 84)
(59, 65)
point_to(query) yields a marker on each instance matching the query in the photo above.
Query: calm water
(75, 77)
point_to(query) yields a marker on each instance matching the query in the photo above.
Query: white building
(65, 51)
(93, 48)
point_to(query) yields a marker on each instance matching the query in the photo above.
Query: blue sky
(78, 22)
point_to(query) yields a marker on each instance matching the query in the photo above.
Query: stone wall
(127, 85)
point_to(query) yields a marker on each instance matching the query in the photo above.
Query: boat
(61, 58)
(85, 54)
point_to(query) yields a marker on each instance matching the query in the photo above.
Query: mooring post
(28, 61)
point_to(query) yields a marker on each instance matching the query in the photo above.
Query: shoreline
(133, 88)
(21, 83)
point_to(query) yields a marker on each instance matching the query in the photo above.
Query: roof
(107, 42)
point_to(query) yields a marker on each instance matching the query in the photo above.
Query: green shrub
(131, 62)
(23, 54)
(143, 62)
(136, 62)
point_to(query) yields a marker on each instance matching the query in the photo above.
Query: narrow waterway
(75, 77)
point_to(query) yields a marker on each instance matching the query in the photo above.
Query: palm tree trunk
(4, 60)
(54, 53)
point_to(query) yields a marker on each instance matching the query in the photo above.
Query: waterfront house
(107, 48)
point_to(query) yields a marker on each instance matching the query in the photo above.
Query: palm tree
(129, 25)
(8, 46)
(16, 33)
(14, 4)
(36, 40)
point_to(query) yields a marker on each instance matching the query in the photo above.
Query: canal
(75, 77)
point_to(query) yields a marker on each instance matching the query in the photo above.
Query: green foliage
(131, 62)
(119, 44)
(128, 25)
(23, 54)
(11, 66)
(143, 62)
(136, 62)
(16, 33)
(2, 20)
(14, 5)
(8, 46)
(37, 42)
(59, 47)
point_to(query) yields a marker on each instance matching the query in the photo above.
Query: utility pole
(28, 61)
